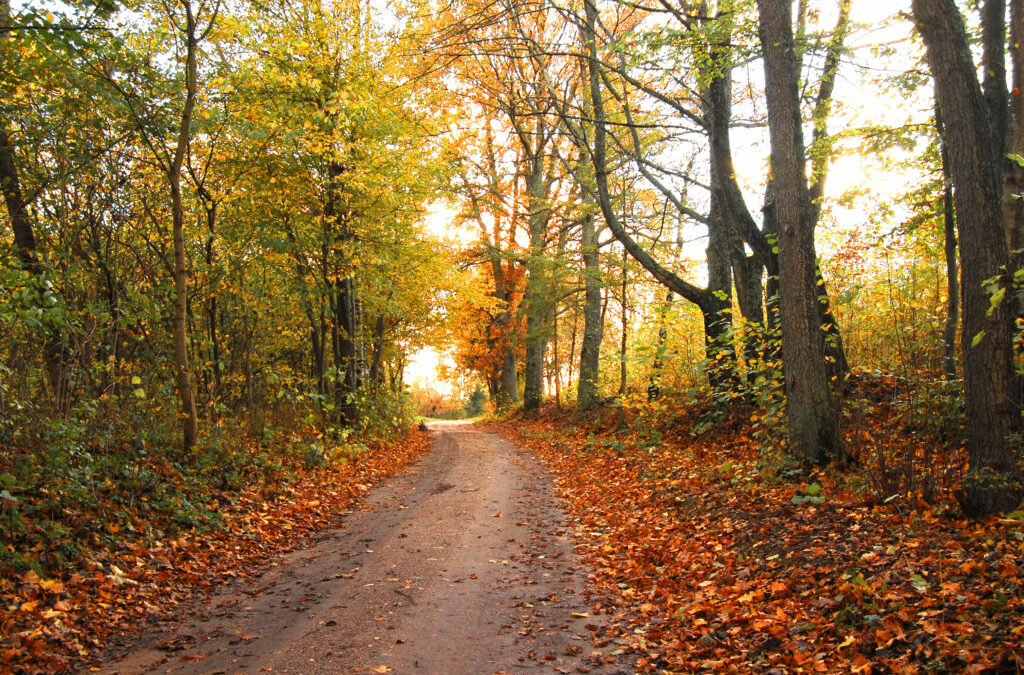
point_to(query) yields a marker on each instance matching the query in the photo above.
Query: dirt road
(461, 565)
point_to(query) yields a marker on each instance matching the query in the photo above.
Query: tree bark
(376, 373)
(587, 391)
(537, 300)
(812, 418)
(183, 369)
(950, 251)
(341, 293)
(976, 153)
(1013, 205)
(623, 371)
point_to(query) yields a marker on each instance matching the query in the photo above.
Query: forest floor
(674, 548)
(460, 564)
(65, 615)
(715, 563)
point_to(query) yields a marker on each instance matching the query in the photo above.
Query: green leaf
(140, 393)
(919, 582)
(136, 380)
(813, 489)
(976, 340)
(996, 299)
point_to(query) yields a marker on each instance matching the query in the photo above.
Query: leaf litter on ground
(50, 625)
(717, 567)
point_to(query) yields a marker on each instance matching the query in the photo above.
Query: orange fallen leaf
(52, 585)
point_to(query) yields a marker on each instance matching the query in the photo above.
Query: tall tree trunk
(183, 369)
(976, 153)
(1013, 205)
(345, 358)
(574, 336)
(211, 308)
(950, 250)
(625, 324)
(342, 292)
(717, 303)
(729, 210)
(508, 378)
(587, 391)
(536, 301)
(376, 374)
(812, 418)
(661, 345)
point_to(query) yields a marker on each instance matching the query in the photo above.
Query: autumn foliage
(712, 562)
(63, 618)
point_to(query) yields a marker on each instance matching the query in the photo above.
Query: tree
(975, 121)
(812, 417)
(713, 301)
(593, 325)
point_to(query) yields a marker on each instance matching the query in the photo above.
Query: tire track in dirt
(461, 565)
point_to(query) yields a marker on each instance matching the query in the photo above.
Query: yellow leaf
(52, 585)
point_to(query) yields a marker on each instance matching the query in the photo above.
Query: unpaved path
(461, 565)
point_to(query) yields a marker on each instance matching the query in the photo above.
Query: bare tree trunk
(183, 369)
(212, 319)
(950, 250)
(376, 375)
(536, 301)
(343, 310)
(813, 419)
(976, 154)
(625, 324)
(587, 391)
(573, 338)
(1013, 205)
(508, 379)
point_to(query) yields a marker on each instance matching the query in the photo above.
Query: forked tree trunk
(812, 419)
(976, 145)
